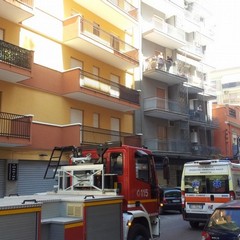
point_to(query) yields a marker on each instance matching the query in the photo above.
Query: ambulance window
(217, 184)
(207, 184)
(195, 184)
(116, 162)
(142, 166)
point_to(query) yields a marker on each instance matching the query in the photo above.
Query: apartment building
(175, 118)
(80, 72)
(67, 77)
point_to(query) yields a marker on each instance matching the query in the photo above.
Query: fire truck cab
(106, 191)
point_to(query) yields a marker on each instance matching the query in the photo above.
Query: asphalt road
(174, 227)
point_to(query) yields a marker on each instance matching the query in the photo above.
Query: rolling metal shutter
(30, 178)
(2, 178)
(108, 229)
(22, 226)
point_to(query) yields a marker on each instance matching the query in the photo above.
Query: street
(174, 227)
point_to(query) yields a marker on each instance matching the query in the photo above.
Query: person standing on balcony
(160, 61)
(169, 63)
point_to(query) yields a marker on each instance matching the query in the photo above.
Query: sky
(225, 52)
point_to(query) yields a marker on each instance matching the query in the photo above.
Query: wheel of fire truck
(138, 232)
(194, 224)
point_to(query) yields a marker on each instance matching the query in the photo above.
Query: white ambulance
(205, 185)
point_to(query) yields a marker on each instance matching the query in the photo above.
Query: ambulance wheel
(138, 232)
(194, 224)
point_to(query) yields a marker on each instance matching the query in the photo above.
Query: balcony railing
(105, 86)
(15, 55)
(14, 125)
(204, 150)
(167, 65)
(168, 29)
(126, 7)
(194, 49)
(109, 40)
(156, 103)
(168, 145)
(98, 135)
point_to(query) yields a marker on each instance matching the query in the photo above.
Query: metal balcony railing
(98, 135)
(200, 116)
(156, 103)
(98, 34)
(168, 145)
(204, 150)
(15, 55)
(105, 86)
(14, 125)
(126, 7)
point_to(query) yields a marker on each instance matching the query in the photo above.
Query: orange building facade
(227, 136)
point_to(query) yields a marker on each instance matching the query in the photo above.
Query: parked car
(170, 199)
(224, 223)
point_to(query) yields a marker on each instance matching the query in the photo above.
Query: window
(74, 63)
(115, 44)
(225, 219)
(115, 129)
(96, 28)
(142, 166)
(96, 120)
(116, 163)
(232, 113)
(76, 116)
(207, 184)
(114, 91)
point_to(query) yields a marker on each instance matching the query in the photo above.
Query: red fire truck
(106, 191)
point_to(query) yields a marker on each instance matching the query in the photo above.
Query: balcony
(194, 85)
(166, 109)
(92, 135)
(164, 34)
(205, 151)
(121, 14)
(15, 62)
(199, 118)
(168, 7)
(90, 88)
(16, 10)
(85, 37)
(193, 50)
(170, 146)
(209, 91)
(15, 130)
(167, 75)
(47, 136)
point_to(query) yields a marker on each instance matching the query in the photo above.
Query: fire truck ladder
(55, 160)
